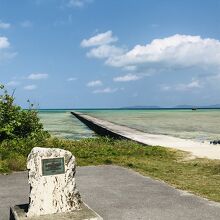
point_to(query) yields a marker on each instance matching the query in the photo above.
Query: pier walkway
(196, 148)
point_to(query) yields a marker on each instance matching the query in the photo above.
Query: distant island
(195, 106)
(177, 106)
(141, 107)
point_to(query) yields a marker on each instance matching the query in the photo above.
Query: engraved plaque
(53, 166)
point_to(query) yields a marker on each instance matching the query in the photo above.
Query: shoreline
(196, 148)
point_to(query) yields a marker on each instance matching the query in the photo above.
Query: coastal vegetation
(200, 176)
(21, 130)
(17, 123)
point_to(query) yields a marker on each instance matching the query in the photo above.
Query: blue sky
(109, 53)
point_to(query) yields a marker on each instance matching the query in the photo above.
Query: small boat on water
(194, 109)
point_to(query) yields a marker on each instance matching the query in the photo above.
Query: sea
(200, 124)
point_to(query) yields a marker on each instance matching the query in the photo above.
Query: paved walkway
(196, 148)
(119, 194)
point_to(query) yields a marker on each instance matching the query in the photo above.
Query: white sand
(196, 148)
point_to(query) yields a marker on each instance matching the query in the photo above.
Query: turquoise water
(60, 123)
(200, 124)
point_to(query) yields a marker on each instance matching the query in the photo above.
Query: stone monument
(53, 191)
(52, 173)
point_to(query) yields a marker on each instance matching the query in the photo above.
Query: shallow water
(64, 125)
(200, 124)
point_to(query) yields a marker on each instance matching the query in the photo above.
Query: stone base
(18, 212)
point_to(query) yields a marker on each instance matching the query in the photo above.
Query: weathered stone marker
(53, 188)
(52, 181)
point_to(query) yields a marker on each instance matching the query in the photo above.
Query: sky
(109, 53)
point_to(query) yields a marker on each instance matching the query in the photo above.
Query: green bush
(16, 162)
(4, 167)
(16, 122)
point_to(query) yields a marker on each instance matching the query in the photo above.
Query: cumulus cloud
(188, 86)
(130, 68)
(4, 43)
(126, 78)
(94, 83)
(4, 25)
(78, 3)
(30, 87)
(194, 84)
(37, 76)
(175, 51)
(99, 39)
(5, 52)
(106, 90)
(105, 51)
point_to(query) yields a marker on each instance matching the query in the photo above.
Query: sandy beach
(196, 148)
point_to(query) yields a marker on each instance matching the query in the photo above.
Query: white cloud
(37, 76)
(105, 51)
(78, 3)
(13, 83)
(106, 90)
(191, 53)
(204, 81)
(175, 51)
(30, 87)
(5, 52)
(126, 78)
(71, 79)
(99, 39)
(171, 53)
(130, 68)
(94, 83)
(4, 25)
(4, 43)
(26, 24)
(211, 81)
(194, 84)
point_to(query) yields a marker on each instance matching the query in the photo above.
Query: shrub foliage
(16, 122)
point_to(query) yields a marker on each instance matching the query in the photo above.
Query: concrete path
(119, 194)
(196, 148)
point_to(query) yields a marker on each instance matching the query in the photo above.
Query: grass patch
(200, 176)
